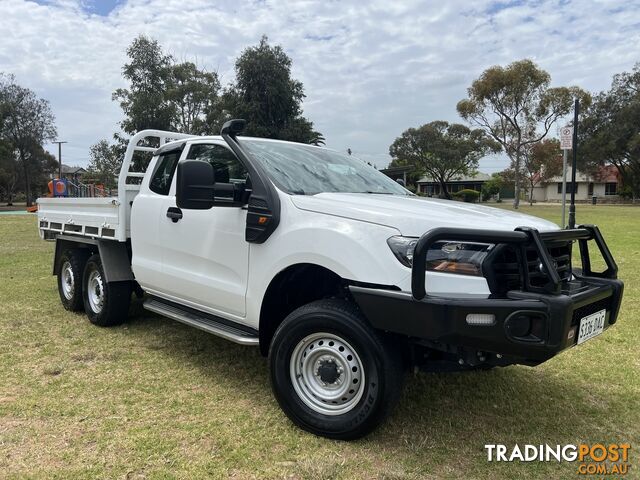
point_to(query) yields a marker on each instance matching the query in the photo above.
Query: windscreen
(306, 170)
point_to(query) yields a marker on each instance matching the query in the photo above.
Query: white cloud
(370, 69)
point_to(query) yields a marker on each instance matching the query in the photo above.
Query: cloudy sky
(371, 69)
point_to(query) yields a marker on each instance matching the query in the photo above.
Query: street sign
(566, 138)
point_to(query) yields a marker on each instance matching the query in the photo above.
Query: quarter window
(163, 174)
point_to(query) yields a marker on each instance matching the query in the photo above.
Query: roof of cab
(179, 144)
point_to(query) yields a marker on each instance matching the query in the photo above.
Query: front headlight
(464, 258)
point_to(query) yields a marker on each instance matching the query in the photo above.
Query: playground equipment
(63, 188)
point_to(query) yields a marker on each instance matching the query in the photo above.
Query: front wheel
(106, 304)
(331, 372)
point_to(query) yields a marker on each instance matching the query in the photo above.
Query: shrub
(625, 192)
(492, 186)
(467, 195)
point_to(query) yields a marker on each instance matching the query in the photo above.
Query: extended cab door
(146, 214)
(205, 258)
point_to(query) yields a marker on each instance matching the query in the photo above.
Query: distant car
(336, 272)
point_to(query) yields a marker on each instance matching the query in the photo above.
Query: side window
(226, 167)
(610, 188)
(165, 169)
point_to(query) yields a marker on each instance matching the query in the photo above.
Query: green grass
(155, 399)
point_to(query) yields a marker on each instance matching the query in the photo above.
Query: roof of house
(72, 170)
(392, 170)
(478, 177)
(605, 174)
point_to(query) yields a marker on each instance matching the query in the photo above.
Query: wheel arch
(289, 289)
(115, 256)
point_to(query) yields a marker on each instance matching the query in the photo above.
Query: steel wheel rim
(66, 281)
(95, 291)
(315, 361)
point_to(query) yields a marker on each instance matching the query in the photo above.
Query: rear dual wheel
(106, 304)
(72, 262)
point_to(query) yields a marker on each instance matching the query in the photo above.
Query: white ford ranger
(337, 273)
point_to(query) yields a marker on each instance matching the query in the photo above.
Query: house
(398, 173)
(604, 185)
(431, 188)
(73, 174)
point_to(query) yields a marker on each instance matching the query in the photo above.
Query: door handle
(174, 213)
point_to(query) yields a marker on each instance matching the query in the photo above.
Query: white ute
(339, 274)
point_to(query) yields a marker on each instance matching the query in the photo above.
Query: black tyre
(72, 263)
(331, 372)
(106, 304)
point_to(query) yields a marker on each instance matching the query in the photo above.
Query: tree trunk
(531, 195)
(445, 191)
(27, 179)
(516, 172)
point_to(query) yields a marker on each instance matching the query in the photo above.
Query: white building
(604, 185)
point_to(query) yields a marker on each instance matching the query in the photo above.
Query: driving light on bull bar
(481, 319)
(464, 258)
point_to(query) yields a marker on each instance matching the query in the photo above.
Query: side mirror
(194, 189)
(401, 182)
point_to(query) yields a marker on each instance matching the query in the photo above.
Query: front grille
(580, 313)
(502, 267)
(561, 256)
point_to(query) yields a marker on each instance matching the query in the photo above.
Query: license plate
(591, 325)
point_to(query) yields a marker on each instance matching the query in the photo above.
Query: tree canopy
(26, 123)
(541, 161)
(266, 95)
(516, 106)
(166, 95)
(609, 133)
(104, 163)
(443, 150)
(145, 103)
(192, 92)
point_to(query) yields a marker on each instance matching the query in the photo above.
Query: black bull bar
(523, 238)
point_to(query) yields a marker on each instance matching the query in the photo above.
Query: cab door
(205, 258)
(147, 212)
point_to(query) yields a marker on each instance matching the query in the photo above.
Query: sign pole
(564, 187)
(566, 144)
(572, 205)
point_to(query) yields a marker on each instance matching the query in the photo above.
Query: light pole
(59, 158)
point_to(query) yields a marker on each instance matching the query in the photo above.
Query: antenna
(572, 205)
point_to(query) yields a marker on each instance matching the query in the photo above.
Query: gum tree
(610, 131)
(443, 150)
(516, 106)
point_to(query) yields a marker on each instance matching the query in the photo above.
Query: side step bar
(209, 323)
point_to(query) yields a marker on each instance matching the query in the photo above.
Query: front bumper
(530, 325)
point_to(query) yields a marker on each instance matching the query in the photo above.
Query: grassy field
(155, 399)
